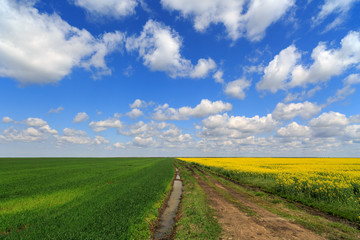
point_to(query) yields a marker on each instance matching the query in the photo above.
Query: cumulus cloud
(328, 62)
(289, 111)
(294, 130)
(35, 122)
(135, 113)
(279, 69)
(240, 18)
(284, 73)
(144, 129)
(225, 127)
(330, 7)
(203, 67)
(236, 88)
(156, 135)
(37, 48)
(138, 104)
(159, 47)
(7, 120)
(355, 119)
(143, 142)
(36, 130)
(26, 135)
(80, 117)
(56, 110)
(352, 133)
(218, 76)
(203, 109)
(74, 136)
(103, 125)
(329, 124)
(113, 8)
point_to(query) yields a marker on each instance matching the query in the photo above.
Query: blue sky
(180, 78)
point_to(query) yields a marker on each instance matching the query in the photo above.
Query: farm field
(80, 198)
(329, 184)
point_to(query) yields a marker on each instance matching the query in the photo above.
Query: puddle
(167, 219)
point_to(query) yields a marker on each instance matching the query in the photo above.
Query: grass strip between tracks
(197, 219)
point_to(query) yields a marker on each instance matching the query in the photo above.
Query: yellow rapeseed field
(324, 179)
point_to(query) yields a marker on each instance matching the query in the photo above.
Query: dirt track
(240, 224)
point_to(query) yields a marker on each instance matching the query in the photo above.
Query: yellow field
(325, 180)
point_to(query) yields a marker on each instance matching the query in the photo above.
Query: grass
(109, 198)
(197, 218)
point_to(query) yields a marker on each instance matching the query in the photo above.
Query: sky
(236, 78)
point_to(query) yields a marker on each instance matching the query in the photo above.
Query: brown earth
(253, 223)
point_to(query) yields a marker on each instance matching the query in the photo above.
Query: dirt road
(241, 218)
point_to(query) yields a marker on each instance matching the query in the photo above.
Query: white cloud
(330, 124)
(218, 76)
(27, 135)
(81, 117)
(291, 97)
(294, 130)
(355, 119)
(236, 88)
(289, 111)
(174, 135)
(143, 142)
(155, 134)
(52, 45)
(253, 23)
(224, 127)
(341, 94)
(159, 46)
(99, 126)
(144, 129)
(73, 132)
(138, 104)
(203, 109)
(104, 46)
(135, 113)
(282, 73)
(7, 120)
(119, 145)
(328, 63)
(48, 129)
(352, 79)
(347, 88)
(74, 136)
(56, 110)
(100, 140)
(352, 132)
(278, 70)
(35, 122)
(262, 13)
(114, 8)
(203, 67)
(339, 7)
(37, 130)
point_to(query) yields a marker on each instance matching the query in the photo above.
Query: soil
(238, 224)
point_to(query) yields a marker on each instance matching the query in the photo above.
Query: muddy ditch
(166, 222)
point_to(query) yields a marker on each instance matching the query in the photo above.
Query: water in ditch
(167, 219)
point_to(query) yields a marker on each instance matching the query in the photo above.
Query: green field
(81, 198)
